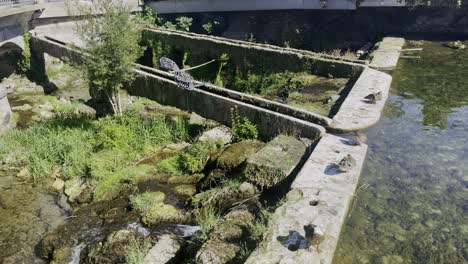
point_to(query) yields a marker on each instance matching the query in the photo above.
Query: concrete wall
(204, 103)
(189, 6)
(263, 57)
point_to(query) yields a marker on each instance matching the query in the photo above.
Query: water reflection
(414, 209)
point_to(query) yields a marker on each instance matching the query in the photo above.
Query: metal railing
(16, 2)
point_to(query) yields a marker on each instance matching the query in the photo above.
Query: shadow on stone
(332, 170)
(294, 241)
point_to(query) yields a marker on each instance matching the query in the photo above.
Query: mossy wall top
(247, 56)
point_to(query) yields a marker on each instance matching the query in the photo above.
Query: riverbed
(412, 203)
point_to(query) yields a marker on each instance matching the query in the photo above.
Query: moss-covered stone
(62, 255)
(236, 154)
(275, 162)
(217, 252)
(153, 210)
(185, 190)
(224, 198)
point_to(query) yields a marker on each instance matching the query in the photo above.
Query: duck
(373, 97)
(347, 163)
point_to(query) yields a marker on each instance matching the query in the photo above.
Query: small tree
(111, 36)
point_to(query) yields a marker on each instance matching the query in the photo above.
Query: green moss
(274, 163)
(111, 183)
(185, 190)
(153, 210)
(234, 155)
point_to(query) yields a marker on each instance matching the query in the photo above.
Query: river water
(412, 203)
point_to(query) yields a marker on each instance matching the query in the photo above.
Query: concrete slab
(387, 54)
(357, 114)
(320, 198)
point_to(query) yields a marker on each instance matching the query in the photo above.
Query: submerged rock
(216, 252)
(74, 187)
(276, 161)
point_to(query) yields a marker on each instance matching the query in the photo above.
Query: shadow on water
(415, 207)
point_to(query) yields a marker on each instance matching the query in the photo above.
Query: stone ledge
(319, 197)
(356, 114)
(387, 54)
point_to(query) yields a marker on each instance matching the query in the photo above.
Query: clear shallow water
(413, 203)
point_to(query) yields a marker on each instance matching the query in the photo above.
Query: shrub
(242, 128)
(195, 157)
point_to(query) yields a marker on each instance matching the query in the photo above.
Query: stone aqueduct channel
(306, 228)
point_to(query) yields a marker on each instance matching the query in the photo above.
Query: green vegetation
(112, 41)
(72, 146)
(25, 61)
(207, 219)
(242, 128)
(192, 161)
(137, 251)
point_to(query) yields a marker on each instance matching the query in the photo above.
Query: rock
(237, 153)
(332, 99)
(226, 198)
(25, 107)
(73, 188)
(153, 210)
(176, 147)
(24, 174)
(44, 115)
(197, 120)
(62, 255)
(276, 161)
(58, 184)
(456, 45)
(221, 134)
(113, 250)
(5, 110)
(216, 252)
(185, 190)
(164, 251)
(46, 107)
(84, 109)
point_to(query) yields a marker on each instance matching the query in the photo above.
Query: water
(413, 201)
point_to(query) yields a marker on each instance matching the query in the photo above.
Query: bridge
(194, 6)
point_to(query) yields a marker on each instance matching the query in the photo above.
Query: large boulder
(237, 153)
(164, 251)
(276, 161)
(5, 110)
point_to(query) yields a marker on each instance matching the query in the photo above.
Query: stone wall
(258, 57)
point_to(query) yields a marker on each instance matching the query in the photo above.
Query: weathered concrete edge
(331, 192)
(218, 108)
(250, 99)
(206, 104)
(333, 62)
(386, 56)
(355, 113)
(264, 45)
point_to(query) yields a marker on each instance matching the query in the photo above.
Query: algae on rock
(276, 161)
